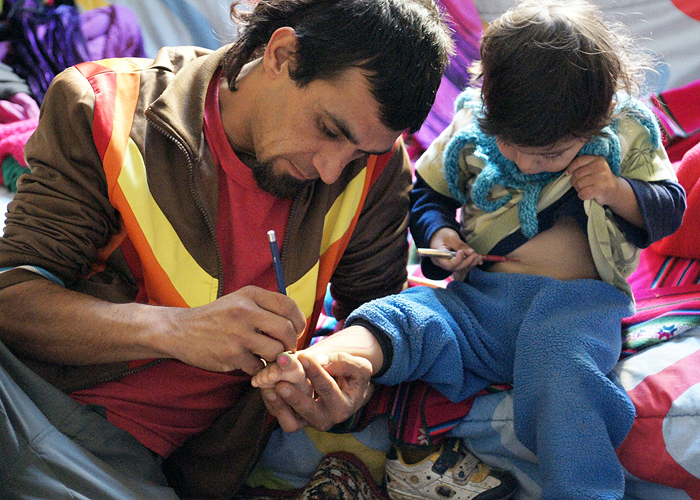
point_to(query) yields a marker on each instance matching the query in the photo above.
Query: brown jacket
(62, 221)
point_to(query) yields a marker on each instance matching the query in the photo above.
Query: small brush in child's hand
(431, 252)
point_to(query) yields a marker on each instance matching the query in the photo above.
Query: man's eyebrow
(345, 130)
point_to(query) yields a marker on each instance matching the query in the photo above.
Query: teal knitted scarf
(499, 170)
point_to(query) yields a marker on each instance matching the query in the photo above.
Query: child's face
(536, 159)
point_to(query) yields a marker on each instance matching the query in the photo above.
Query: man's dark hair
(402, 46)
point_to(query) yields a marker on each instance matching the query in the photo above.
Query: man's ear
(280, 50)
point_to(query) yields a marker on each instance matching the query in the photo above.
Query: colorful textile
(468, 26)
(112, 31)
(667, 291)
(46, 40)
(13, 138)
(662, 446)
(340, 476)
(11, 170)
(17, 107)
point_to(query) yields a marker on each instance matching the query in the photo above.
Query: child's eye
(553, 157)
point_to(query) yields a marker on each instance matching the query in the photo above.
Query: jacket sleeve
(374, 263)
(645, 165)
(61, 215)
(662, 204)
(424, 337)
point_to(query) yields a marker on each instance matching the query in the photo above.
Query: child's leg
(566, 410)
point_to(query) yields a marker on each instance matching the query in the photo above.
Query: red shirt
(166, 404)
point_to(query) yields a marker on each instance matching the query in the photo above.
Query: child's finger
(267, 376)
(284, 360)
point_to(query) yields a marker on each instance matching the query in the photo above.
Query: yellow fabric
(263, 478)
(192, 282)
(337, 223)
(340, 215)
(328, 442)
(89, 4)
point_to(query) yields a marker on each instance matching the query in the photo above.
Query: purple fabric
(18, 107)
(467, 24)
(45, 41)
(112, 31)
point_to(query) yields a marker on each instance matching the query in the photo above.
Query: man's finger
(286, 416)
(282, 306)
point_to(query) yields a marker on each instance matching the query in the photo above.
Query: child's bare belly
(561, 252)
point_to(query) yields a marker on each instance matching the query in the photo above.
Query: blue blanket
(555, 341)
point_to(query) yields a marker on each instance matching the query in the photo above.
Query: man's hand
(236, 331)
(341, 386)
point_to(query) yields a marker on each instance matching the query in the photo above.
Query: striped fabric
(667, 291)
(171, 275)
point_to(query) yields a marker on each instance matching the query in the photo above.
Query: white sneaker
(451, 473)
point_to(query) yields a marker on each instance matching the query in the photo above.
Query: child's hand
(593, 180)
(465, 257)
(287, 368)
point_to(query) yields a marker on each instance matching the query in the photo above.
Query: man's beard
(280, 185)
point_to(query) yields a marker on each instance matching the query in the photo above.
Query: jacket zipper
(198, 201)
(212, 232)
(292, 212)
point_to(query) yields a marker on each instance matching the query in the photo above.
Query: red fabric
(13, 138)
(644, 452)
(678, 111)
(686, 241)
(166, 404)
(244, 209)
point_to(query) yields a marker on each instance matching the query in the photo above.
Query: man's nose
(331, 163)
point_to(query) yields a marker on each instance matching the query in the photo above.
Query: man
(136, 273)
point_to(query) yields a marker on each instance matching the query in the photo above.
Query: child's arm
(355, 341)
(347, 359)
(593, 180)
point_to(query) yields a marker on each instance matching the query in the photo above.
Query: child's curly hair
(550, 69)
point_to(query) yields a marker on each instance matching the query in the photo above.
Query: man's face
(310, 133)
